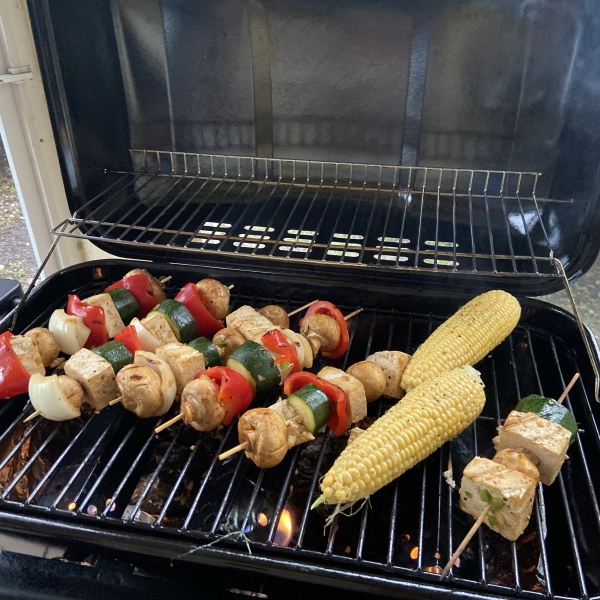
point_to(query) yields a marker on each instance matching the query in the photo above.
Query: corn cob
(465, 338)
(419, 424)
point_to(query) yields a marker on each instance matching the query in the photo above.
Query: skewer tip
(234, 450)
(168, 423)
(32, 416)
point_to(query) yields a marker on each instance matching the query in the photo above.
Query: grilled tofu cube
(515, 489)
(248, 322)
(95, 375)
(356, 400)
(159, 327)
(546, 440)
(112, 318)
(185, 362)
(393, 364)
(28, 354)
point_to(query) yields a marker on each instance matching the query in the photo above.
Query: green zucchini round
(116, 353)
(255, 363)
(212, 358)
(125, 303)
(551, 410)
(179, 318)
(313, 405)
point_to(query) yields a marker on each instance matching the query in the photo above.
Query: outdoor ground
(17, 260)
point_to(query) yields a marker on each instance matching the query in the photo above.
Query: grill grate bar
(168, 198)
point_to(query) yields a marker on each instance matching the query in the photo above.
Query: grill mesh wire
(418, 218)
(113, 468)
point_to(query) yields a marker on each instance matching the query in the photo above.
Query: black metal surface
(506, 86)
(11, 293)
(84, 480)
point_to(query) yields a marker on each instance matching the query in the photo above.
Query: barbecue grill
(397, 157)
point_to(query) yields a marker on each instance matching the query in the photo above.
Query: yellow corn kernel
(465, 338)
(460, 389)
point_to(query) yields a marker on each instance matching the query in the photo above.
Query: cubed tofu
(112, 318)
(28, 354)
(185, 362)
(159, 327)
(393, 364)
(95, 375)
(514, 488)
(546, 440)
(356, 400)
(248, 322)
(296, 432)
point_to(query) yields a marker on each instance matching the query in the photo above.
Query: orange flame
(414, 553)
(283, 536)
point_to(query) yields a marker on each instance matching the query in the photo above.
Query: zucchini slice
(313, 406)
(212, 358)
(551, 410)
(254, 362)
(116, 353)
(125, 303)
(179, 318)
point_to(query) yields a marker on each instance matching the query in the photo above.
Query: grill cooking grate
(409, 218)
(112, 470)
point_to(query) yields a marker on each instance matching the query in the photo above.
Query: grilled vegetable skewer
(519, 470)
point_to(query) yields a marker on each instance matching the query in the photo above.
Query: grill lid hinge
(17, 75)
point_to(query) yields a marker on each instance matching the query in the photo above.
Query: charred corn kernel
(465, 338)
(384, 448)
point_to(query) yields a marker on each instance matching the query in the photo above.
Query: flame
(414, 553)
(262, 519)
(434, 569)
(72, 506)
(283, 536)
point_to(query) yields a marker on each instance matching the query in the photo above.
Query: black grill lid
(487, 96)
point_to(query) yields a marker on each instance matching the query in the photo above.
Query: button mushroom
(215, 297)
(227, 340)
(372, 377)
(200, 406)
(265, 431)
(140, 388)
(157, 286)
(321, 331)
(46, 344)
(72, 390)
(276, 314)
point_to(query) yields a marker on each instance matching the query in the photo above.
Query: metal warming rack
(415, 219)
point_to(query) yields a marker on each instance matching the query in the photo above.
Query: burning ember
(284, 529)
(414, 553)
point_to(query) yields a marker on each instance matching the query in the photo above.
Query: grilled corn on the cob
(419, 424)
(465, 338)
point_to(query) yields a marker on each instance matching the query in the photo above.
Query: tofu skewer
(517, 461)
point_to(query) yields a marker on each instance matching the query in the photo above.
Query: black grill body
(107, 481)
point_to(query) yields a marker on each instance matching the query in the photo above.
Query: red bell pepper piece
(206, 324)
(235, 393)
(275, 342)
(338, 421)
(14, 379)
(140, 288)
(93, 318)
(322, 307)
(128, 336)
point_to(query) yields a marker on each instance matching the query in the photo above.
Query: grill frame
(132, 537)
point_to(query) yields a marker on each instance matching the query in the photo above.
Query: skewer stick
(301, 308)
(352, 314)
(32, 416)
(234, 450)
(164, 280)
(568, 388)
(467, 539)
(115, 401)
(483, 515)
(230, 287)
(168, 423)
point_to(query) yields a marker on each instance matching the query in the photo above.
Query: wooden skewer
(32, 416)
(301, 308)
(168, 423)
(484, 514)
(467, 539)
(230, 287)
(568, 388)
(115, 401)
(164, 280)
(234, 450)
(352, 314)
